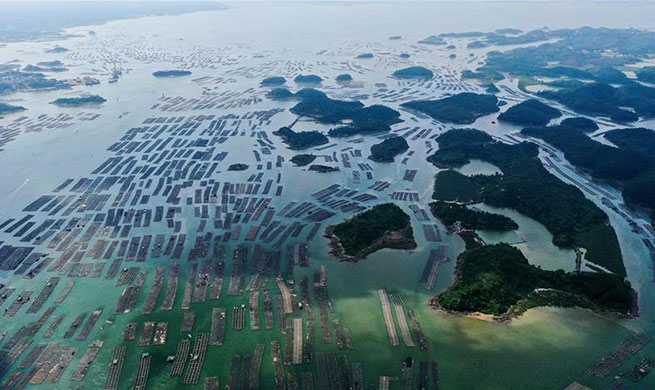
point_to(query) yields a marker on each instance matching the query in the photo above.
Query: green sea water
(546, 348)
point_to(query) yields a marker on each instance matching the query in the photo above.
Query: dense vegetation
(8, 108)
(344, 77)
(414, 72)
(301, 160)
(638, 140)
(449, 213)
(530, 112)
(78, 101)
(646, 74)
(498, 280)
(318, 106)
(631, 165)
(463, 108)
(270, 81)
(386, 150)
(580, 123)
(171, 73)
(604, 99)
(308, 79)
(577, 52)
(280, 94)
(603, 161)
(529, 188)
(301, 139)
(382, 226)
(640, 190)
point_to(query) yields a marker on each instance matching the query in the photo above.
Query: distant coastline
(54, 17)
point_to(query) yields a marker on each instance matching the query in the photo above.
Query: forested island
(631, 166)
(382, 226)
(300, 160)
(79, 101)
(301, 139)
(498, 280)
(171, 73)
(530, 112)
(414, 72)
(318, 106)
(606, 100)
(308, 79)
(450, 213)
(272, 81)
(602, 161)
(579, 123)
(386, 150)
(463, 108)
(344, 77)
(527, 187)
(365, 55)
(280, 94)
(8, 108)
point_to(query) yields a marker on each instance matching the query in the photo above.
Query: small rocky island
(8, 108)
(323, 168)
(414, 72)
(300, 160)
(382, 226)
(273, 81)
(171, 73)
(238, 167)
(344, 77)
